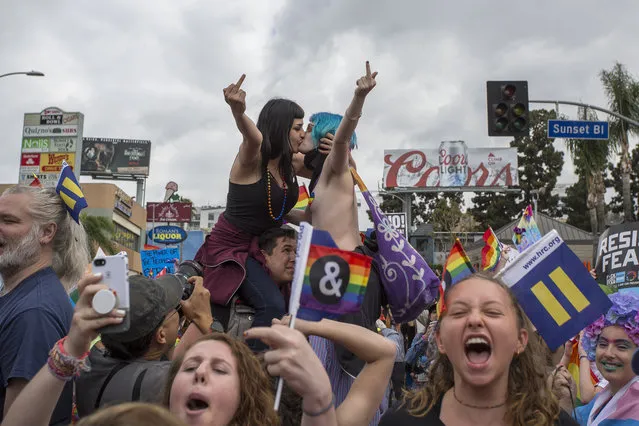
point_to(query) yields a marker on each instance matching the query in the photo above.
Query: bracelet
(583, 356)
(322, 411)
(64, 366)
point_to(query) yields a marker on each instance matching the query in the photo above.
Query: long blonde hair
(528, 400)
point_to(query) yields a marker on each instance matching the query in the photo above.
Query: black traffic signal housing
(508, 113)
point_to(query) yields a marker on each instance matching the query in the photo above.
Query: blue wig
(326, 122)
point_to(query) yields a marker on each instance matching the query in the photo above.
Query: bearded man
(40, 246)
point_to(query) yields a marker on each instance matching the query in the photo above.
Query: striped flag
(328, 282)
(491, 253)
(457, 268)
(573, 368)
(303, 199)
(69, 190)
(526, 233)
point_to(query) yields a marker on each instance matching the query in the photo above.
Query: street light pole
(31, 73)
(607, 111)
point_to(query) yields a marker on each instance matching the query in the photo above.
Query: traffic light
(508, 113)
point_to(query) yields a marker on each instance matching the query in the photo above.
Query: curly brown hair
(256, 394)
(528, 400)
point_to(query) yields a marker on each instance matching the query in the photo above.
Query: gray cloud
(156, 71)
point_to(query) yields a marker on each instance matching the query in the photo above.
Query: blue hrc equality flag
(555, 290)
(69, 190)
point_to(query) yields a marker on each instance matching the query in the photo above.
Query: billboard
(107, 157)
(618, 257)
(452, 165)
(48, 138)
(168, 212)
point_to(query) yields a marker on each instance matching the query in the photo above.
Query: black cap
(150, 301)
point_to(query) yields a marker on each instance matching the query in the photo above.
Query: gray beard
(20, 254)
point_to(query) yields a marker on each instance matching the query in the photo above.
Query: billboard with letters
(168, 212)
(105, 157)
(451, 165)
(48, 138)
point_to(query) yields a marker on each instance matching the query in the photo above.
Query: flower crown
(623, 313)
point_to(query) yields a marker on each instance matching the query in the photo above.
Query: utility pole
(607, 111)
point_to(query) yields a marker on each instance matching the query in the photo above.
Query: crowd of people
(192, 362)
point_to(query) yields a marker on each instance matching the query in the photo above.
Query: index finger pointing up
(240, 81)
(368, 69)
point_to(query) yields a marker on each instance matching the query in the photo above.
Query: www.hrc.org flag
(491, 252)
(457, 268)
(69, 190)
(555, 290)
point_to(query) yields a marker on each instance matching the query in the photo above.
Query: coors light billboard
(453, 164)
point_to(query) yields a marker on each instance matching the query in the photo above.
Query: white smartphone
(115, 274)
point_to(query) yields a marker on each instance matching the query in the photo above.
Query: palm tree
(622, 91)
(590, 159)
(100, 232)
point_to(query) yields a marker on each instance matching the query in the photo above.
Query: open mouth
(196, 404)
(477, 350)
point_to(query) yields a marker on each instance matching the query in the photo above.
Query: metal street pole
(607, 111)
(31, 73)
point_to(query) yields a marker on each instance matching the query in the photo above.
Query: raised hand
(86, 321)
(236, 97)
(366, 83)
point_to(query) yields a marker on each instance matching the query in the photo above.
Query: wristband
(583, 356)
(64, 366)
(322, 411)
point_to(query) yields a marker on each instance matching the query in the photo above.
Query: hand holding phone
(115, 275)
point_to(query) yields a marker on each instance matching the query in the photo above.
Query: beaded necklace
(268, 195)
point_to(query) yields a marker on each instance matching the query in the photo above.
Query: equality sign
(618, 257)
(555, 290)
(153, 261)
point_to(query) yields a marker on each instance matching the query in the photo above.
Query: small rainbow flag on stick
(303, 199)
(457, 268)
(334, 282)
(491, 253)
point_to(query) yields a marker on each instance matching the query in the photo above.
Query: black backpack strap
(137, 387)
(112, 373)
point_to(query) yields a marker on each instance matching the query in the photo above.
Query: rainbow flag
(303, 200)
(457, 268)
(334, 282)
(526, 233)
(328, 282)
(491, 253)
(573, 368)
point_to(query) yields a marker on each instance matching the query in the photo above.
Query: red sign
(168, 212)
(29, 159)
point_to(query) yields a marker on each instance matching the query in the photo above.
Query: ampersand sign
(329, 278)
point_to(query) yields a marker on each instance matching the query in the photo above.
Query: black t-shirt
(401, 416)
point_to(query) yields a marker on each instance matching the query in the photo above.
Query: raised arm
(252, 138)
(371, 384)
(338, 159)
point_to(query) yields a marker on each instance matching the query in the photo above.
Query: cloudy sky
(155, 70)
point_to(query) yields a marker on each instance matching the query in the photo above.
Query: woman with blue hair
(263, 190)
(322, 128)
